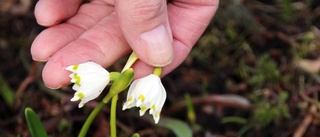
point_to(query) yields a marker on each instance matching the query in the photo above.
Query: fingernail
(53, 87)
(39, 60)
(157, 44)
(48, 22)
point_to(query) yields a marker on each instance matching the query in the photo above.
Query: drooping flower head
(89, 80)
(147, 93)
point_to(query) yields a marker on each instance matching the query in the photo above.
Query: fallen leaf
(312, 66)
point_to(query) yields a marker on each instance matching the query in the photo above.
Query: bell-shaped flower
(147, 93)
(89, 80)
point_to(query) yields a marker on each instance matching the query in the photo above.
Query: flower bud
(114, 75)
(122, 82)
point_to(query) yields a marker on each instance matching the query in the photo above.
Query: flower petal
(147, 93)
(89, 80)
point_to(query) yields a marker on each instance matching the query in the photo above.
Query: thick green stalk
(157, 71)
(113, 125)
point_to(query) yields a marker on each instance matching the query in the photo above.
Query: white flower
(147, 93)
(89, 80)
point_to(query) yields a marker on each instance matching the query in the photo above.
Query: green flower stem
(113, 125)
(157, 71)
(132, 59)
(92, 115)
(90, 118)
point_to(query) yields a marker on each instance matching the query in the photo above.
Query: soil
(254, 72)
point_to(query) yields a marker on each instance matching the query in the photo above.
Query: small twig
(146, 132)
(24, 84)
(310, 100)
(223, 100)
(306, 122)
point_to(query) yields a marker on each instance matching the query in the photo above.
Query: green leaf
(34, 123)
(6, 92)
(190, 110)
(180, 128)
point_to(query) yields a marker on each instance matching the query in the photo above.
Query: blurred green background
(254, 72)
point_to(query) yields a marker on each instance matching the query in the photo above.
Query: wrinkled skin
(160, 33)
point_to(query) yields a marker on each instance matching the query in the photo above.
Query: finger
(51, 12)
(103, 43)
(54, 38)
(142, 69)
(145, 26)
(188, 20)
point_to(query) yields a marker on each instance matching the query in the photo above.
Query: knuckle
(145, 12)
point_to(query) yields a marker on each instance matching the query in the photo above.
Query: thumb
(145, 26)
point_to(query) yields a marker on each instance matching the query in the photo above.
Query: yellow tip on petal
(77, 84)
(80, 95)
(143, 110)
(75, 67)
(141, 97)
(130, 99)
(153, 107)
(77, 79)
(156, 117)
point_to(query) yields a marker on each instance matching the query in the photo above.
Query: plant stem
(92, 115)
(113, 125)
(89, 120)
(157, 71)
(132, 59)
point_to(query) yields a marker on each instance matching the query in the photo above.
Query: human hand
(103, 31)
